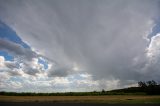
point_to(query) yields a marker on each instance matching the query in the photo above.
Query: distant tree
(94, 91)
(151, 83)
(142, 84)
(150, 87)
(103, 91)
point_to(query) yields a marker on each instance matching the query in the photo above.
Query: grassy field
(110, 99)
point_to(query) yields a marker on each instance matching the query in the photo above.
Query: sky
(78, 45)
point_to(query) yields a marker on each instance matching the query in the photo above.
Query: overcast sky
(78, 45)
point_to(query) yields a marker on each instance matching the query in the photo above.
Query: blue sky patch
(7, 56)
(7, 33)
(43, 62)
(155, 29)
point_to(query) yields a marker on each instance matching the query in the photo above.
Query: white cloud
(24, 59)
(152, 66)
(4, 76)
(154, 48)
(2, 59)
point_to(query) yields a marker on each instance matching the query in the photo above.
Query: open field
(110, 99)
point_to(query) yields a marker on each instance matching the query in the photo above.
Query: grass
(109, 99)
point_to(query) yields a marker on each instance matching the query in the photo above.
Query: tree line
(144, 88)
(150, 87)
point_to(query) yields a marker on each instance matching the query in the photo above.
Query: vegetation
(109, 99)
(150, 87)
(144, 88)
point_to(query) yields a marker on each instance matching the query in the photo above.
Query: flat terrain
(68, 104)
(111, 99)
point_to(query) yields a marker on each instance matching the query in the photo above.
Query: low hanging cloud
(106, 39)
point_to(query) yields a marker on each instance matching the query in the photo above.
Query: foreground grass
(110, 99)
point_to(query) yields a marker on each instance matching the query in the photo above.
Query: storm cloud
(108, 39)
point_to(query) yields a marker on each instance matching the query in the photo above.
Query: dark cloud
(10, 65)
(30, 68)
(62, 71)
(16, 49)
